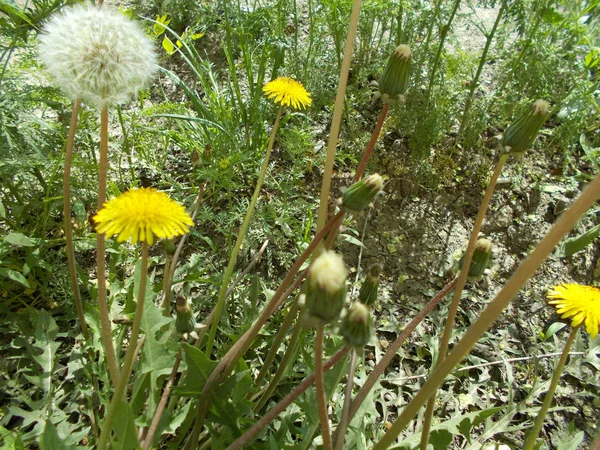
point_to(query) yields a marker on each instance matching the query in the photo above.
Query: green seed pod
(394, 78)
(481, 258)
(521, 134)
(326, 287)
(360, 195)
(184, 319)
(357, 325)
(368, 291)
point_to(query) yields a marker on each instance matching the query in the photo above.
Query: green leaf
(553, 329)
(199, 369)
(573, 245)
(51, 440)
(124, 427)
(15, 276)
(440, 439)
(18, 239)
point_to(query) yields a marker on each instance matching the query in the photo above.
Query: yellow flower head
(140, 214)
(287, 92)
(582, 303)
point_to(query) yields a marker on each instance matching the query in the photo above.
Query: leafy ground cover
(200, 132)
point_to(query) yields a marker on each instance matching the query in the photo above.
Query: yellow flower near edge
(582, 303)
(287, 92)
(141, 214)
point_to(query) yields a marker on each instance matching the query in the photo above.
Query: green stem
(105, 326)
(68, 224)
(336, 120)
(460, 285)
(320, 385)
(240, 238)
(289, 354)
(539, 421)
(482, 61)
(274, 412)
(596, 443)
(121, 386)
(345, 419)
(560, 229)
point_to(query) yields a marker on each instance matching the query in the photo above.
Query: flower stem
(106, 330)
(241, 236)
(274, 412)
(118, 395)
(596, 443)
(539, 421)
(562, 226)
(67, 216)
(394, 347)
(320, 385)
(336, 120)
(345, 419)
(360, 170)
(460, 285)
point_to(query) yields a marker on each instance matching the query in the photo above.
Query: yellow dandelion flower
(582, 303)
(287, 92)
(140, 214)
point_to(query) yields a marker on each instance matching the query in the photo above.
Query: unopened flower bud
(360, 195)
(184, 320)
(357, 325)
(195, 159)
(368, 291)
(481, 258)
(326, 286)
(521, 134)
(394, 78)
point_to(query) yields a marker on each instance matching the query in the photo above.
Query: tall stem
(336, 120)
(482, 61)
(274, 412)
(241, 236)
(67, 215)
(106, 329)
(394, 347)
(345, 419)
(563, 225)
(460, 285)
(541, 416)
(374, 136)
(119, 394)
(320, 385)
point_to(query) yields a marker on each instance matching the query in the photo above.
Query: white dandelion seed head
(97, 54)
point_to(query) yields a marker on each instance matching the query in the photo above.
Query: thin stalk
(345, 419)
(562, 226)
(596, 443)
(320, 386)
(105, 326)
(460, 285)
(336, 120)
(438, 53)
(241, 236)
(279, 337)
(67, 215)
(482, 61)
(539, 421)
(290, 353)
(119, 394)
(394, 347)
(243, 343)
(160, 409)
(371, 145)
(274, 412)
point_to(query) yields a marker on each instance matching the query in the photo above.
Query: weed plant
(211, 335)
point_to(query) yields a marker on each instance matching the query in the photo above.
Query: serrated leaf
(125, 430)
(199, 369)
(19, 239)
(440, 439)
(50, 440)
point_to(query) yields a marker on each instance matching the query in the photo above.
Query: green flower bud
(360, 195)
(521, 134)
(368, 291)
(195, 159)
(481, 258)
(326, 286)
(394, 78)
(184, 319)
(357, 325)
